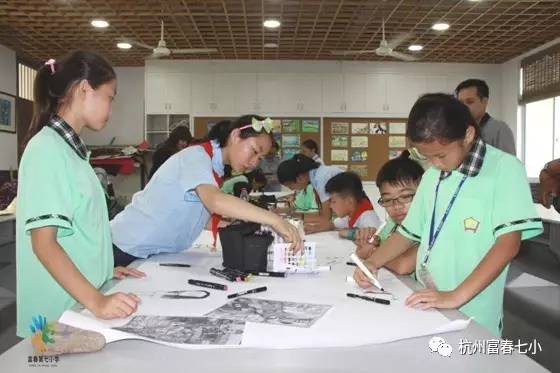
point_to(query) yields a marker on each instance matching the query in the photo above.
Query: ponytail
(56, 79)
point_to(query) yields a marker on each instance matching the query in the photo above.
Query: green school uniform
(228, 185)
(390, 227)
(306, 200)
(58, 187)
(494, 200)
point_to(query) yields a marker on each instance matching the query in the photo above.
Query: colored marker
(371, 299)
(224, 275)
(269, 274)
(372, 238)
(252, 291)
(206, 284)
(366, 271)
(183, 265)
(351, 264)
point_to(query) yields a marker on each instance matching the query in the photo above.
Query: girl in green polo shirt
(470, 212)
(63, 238)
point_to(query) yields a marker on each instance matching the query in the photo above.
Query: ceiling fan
(385, 49)
(162, 51)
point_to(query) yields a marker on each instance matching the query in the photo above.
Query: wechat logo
(438, 344)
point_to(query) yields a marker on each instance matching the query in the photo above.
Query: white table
(401, 356)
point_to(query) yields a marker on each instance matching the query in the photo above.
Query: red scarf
(207, 146)
(363, 206)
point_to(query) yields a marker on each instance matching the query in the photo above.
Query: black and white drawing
(186, 330)
(302, 315)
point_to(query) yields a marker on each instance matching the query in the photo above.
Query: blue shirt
(319, 178)
(167, 216)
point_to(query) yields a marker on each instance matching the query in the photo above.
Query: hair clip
(259, 125)
(51, 63)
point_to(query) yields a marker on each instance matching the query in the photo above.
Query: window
(26, 77)
(541, 135)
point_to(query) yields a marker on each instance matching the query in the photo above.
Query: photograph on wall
(7, 113)
(361, 170)
(394, 153)
(360, 128)
(377, 128)
(290, 141)
(276, 125)
(310, 125)
(339, 155)
(359, 142)
(290, 125)
(397, 141)
(343, 167)
(288, 153)
(340, 128)
(359, 155)
(339, 142)
(397, 128)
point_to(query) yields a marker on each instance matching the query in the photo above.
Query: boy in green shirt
(469, 215)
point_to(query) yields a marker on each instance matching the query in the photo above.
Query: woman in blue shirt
(179, 200)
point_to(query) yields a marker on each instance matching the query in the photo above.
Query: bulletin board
(363, 145)
(289, 132)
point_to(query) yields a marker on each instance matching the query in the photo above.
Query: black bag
(243, 249)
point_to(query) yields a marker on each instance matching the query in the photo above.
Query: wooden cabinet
(168, 93)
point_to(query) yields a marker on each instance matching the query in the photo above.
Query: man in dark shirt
(474, 94)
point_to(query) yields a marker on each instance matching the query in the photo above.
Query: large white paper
(349, 322)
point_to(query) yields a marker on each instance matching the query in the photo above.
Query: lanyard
(434, 235)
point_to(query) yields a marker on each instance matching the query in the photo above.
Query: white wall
(127, 117)
(510, 88)
(8, 75)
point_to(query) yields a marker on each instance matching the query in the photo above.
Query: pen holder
(245, 247)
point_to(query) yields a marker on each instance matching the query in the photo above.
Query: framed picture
(290, 141)
(7, 113)
(339, 141)
(310, 125)
(340, 128)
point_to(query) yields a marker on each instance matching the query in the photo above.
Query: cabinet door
(155, 89)
(288, 95)
(245, 95)
(310, 93)
(268, 95)
(403, 91)
(376, 93)
(201, 93)
(333, 98)
(224, 93)
(355, 92)
(178, 92)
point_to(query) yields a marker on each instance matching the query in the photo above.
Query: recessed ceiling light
(270, 45)
(271, 23)
(440, 26)
(123, 45)
(415, 47)
(99, 23)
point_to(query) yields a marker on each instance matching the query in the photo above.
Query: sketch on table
(302, 315)
(175, 294)
(186, 330)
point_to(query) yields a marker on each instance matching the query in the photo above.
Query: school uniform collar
(217, 159)
(69, 135)
(473, 162)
